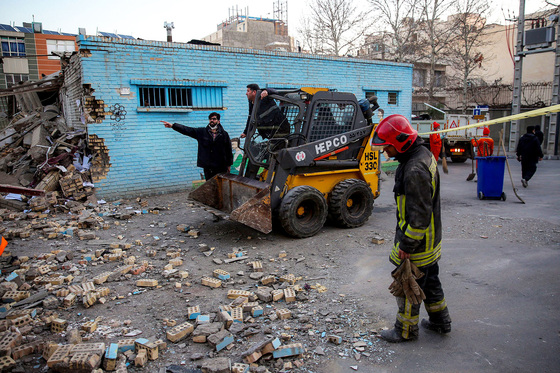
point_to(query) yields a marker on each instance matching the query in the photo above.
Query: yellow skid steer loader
(314, 163)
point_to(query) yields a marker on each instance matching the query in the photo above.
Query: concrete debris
(89, 268)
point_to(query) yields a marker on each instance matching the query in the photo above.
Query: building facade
(122, 89)
(26, 52)
(252, 32)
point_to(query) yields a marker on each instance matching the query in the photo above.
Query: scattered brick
(211, 282)
(277, 295)
(193, 312)
(266, 280)
(293, 349)
(233, 294)
(59, 325)
(146, 283)
(284, 313)
(289, 295)
(221, 274)
(179, 332)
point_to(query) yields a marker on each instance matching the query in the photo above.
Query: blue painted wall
(148, 158)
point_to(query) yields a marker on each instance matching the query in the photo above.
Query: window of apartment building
(59, 46)
(439, 79)
(418, 78)
(13, 46)
(392, 98)
(13, 79)
(180, 97)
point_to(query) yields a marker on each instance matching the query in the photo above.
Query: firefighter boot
(439, 321)
(395, 336)
(406, 326)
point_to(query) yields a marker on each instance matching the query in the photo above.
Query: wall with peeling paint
(146, 157)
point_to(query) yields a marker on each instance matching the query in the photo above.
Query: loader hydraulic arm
(307, 154)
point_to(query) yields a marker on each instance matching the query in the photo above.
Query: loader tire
(351, 203)
(303, 211)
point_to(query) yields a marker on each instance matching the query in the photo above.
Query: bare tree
(468, 25)
(401, 17)
(312, 38)
(437, 36)
(333, 27)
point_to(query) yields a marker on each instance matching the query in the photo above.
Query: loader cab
(333, 113)
(310, 117)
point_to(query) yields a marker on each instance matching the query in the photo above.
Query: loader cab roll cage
(311, 117)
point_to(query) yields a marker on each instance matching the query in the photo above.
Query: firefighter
(418, 232)
(484, 145)
(435, 142)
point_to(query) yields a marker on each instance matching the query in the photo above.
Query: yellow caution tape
(528, 114)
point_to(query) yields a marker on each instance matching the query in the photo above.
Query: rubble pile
(249, 312)
(41, 151)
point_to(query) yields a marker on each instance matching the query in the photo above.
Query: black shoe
(438, 328)
(392, 336)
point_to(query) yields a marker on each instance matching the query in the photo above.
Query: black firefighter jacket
(418, 207)
(212, 153)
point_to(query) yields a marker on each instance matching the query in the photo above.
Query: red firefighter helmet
(486, 131)
(436, 125)
(395, 130)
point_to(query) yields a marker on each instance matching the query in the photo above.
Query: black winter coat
(271, 122)
(215, 153)
(529, 148)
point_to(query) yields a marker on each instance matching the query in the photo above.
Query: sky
(193, 19)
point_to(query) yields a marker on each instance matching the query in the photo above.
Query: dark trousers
(435, 304)
(528, 169)
(211, 172)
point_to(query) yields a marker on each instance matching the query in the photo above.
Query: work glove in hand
(412, 290)
(404, 283)
(396, 286)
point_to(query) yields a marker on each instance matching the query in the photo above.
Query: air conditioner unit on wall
(540, 37)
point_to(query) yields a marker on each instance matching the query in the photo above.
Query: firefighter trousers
(435, 304)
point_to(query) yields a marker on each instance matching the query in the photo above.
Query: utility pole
(551, 144)
(517, 77)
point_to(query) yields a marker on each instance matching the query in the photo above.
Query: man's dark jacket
(271, 121)
(529, 148)
(214, 153)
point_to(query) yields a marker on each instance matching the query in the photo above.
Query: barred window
(370, 93)
(392, 98)
(180, 97)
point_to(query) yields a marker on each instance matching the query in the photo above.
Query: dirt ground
(342, 274)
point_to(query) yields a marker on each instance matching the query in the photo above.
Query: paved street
(499, 270)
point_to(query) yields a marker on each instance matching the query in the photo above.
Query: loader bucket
(245, 200)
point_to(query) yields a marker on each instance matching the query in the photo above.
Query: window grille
(331, 119)
(180, 97)
(392, 98)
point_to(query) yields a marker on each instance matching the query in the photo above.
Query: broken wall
(147, 158)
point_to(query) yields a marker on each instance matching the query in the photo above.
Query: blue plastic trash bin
(490, 182)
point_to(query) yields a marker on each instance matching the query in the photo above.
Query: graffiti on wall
(118, 116)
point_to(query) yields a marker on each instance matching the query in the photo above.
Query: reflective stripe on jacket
(416, 191)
